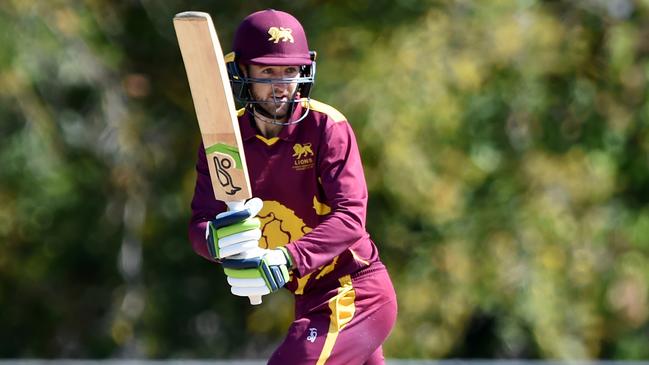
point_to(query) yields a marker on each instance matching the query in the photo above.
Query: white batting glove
(257, 276)
(235, 232)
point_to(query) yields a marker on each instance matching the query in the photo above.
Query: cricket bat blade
(215, 109)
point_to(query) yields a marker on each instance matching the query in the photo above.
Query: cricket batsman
(308, 214)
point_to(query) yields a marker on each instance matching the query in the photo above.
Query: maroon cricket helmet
(271, 37)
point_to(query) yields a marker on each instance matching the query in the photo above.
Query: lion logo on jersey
(279, 225)
(280, 34)
(302, 150)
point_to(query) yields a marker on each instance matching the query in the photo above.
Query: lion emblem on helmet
(280, 34)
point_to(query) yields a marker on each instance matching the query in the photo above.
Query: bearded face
(274, 97)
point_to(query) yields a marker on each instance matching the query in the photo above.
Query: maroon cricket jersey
(311, 180)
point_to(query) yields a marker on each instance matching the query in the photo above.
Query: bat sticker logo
(280, 34)
(222, 164)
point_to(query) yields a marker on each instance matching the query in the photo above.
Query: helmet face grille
(241, 88)
(241, 84)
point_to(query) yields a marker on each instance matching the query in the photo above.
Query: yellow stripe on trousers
(342, 311)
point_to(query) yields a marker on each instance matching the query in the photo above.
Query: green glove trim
(247, 225)
(242, 273)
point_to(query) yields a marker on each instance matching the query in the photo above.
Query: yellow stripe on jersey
(241, 112)
(317, 106)
(342, 311)
(268, 141)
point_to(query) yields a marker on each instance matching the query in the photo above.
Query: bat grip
(236, 205)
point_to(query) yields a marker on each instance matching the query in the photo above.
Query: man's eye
(267, 71)
(291, 71)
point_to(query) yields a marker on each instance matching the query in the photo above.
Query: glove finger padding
(251, 235)
(234, 232)
(247, 283)
(248, 287)
(249, 291)
(239, 247)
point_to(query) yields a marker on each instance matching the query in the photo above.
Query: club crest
(302, 150)
(303, 156)
(280, 34)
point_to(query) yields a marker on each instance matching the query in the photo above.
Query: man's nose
(280, 88)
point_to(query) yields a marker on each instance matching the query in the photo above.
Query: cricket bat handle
(240, 205)
(254, 299)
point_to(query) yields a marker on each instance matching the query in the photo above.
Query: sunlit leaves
(506, 150)
(505, 126)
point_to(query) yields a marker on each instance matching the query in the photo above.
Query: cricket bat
(215, 109)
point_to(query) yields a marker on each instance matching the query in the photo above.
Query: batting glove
(258, 275)
(235, 232)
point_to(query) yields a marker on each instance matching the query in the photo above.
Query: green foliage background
(505, 146)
